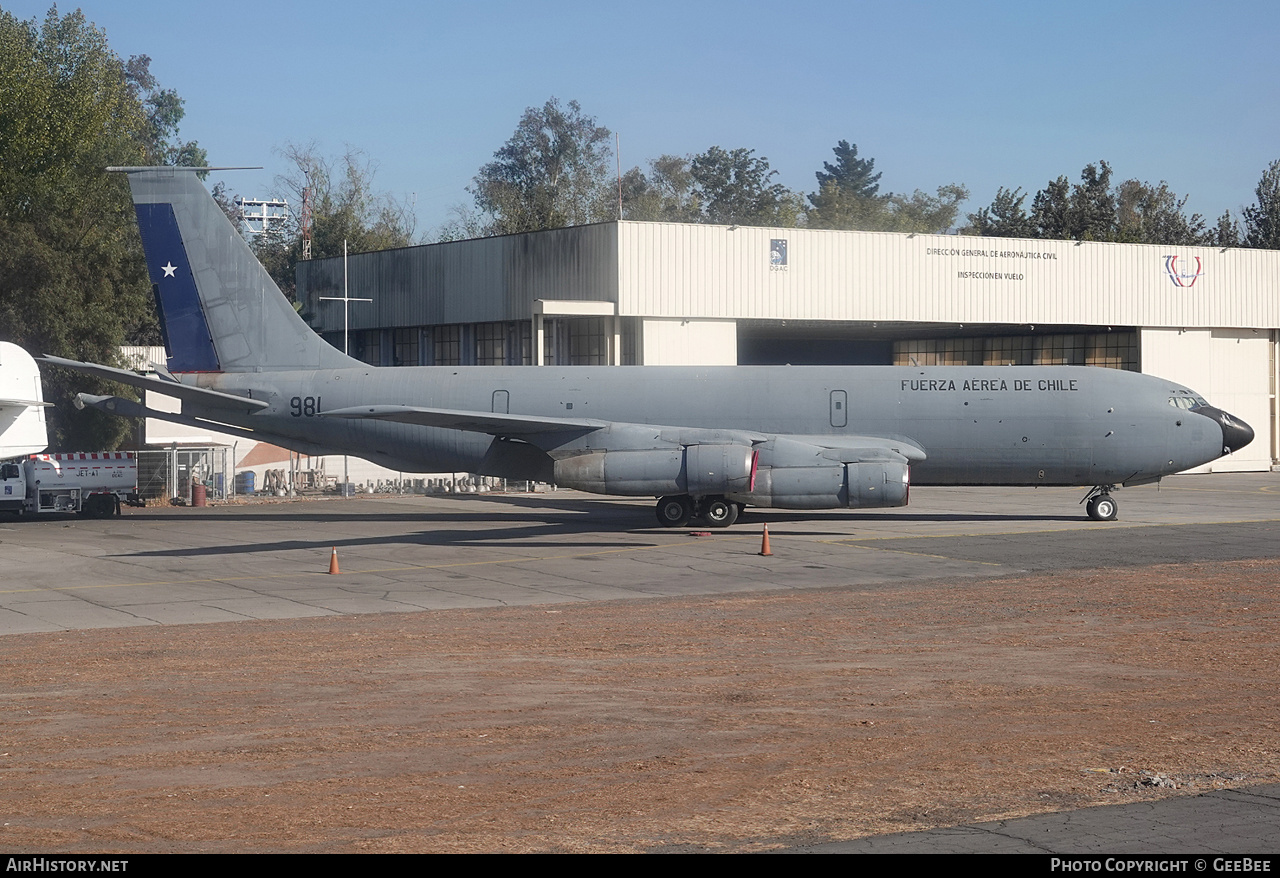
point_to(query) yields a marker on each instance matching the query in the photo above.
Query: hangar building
(627, 293)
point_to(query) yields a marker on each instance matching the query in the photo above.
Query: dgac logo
(1183, 275)
(777, 254)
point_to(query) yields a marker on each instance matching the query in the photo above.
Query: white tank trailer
(90, 483)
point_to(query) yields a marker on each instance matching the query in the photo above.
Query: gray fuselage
(976, 425)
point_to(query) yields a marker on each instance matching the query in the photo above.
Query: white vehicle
(93, 484)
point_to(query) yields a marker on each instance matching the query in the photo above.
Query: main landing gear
(1100, 505)
(679, 509)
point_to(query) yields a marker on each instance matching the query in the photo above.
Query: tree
(836, 208)
(1084, 212)
(465, 222)
(918, 212)
(72, 277)
(1132, 212)
(1226, 232)
(850, 173)
(1051, 210)
(1147, 214)
(553, 172)
(849, 197)
(1093, 207)
(924, 213)
(346, 207)
(164, 110)
(848, 193)
(665, 194)
(1262, 220)
(1005, 218)
(227, 204)
(732, 187)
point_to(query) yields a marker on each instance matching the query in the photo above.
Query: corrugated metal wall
(477, 281)
(727, 272)
(722, 272)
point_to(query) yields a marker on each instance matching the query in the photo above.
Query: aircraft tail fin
(219, 310)
(22, 424)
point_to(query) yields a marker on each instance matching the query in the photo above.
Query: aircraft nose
(1236, 434)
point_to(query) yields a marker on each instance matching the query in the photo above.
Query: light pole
(346, 301)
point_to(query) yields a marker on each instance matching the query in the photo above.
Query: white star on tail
(169, 269)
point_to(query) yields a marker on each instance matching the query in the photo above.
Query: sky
(994, 94)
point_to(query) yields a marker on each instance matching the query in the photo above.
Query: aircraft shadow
(545, 536)
(578, 525)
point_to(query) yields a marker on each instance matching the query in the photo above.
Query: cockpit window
(1185, 399)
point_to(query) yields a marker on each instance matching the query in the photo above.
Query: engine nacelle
(866, 484)
(718, 469)
(797, 475)
(697, 470)
(877, 483)
(797, 487)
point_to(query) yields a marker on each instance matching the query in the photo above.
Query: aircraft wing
(185, 392)
(493, 423)
(837, 448)
(847, 449)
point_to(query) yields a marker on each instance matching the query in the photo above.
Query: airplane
(22, 423)
(705, 441)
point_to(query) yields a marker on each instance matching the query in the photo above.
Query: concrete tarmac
(269, 560)
(1223, 822)
(164, 566)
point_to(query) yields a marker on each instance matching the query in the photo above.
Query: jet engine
(796, 475)
(697, 470)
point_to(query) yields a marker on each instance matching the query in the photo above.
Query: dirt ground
(724, 723)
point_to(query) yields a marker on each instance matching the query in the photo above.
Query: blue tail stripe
(188, 341)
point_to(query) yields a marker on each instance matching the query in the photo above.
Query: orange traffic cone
(764, 543)
(333, 562)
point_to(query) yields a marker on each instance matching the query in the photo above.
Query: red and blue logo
(1183, 270)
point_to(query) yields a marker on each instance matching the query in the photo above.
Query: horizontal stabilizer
(201, 395)
(493, 423)
(23, 403)
(127, 408)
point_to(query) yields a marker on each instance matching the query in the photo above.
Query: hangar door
(1232, 369)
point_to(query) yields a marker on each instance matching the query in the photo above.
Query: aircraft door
(839, 408)
(501, 402)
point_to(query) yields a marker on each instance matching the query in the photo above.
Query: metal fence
(167, 473)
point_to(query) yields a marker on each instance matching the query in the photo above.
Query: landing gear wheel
(1103, 508)
(675, 511)
(718, 512)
